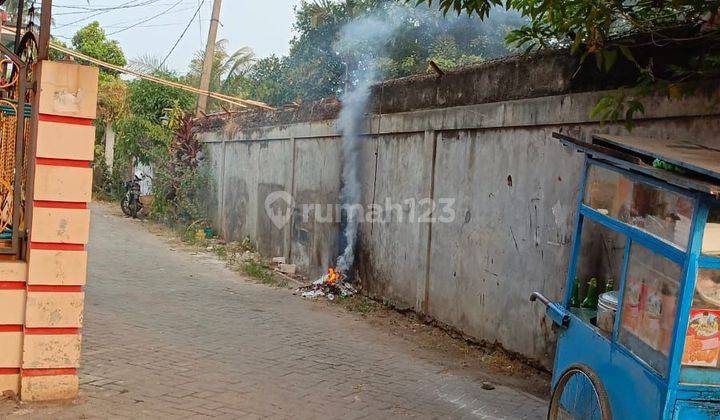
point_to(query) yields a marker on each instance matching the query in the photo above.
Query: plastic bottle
(610, 285)
(575, 296)
(591, 298)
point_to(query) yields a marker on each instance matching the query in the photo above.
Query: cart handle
(554, 310)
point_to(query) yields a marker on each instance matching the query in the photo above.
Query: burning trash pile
(332, 285)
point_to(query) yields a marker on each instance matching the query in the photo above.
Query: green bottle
(591, 298)
(610, 285)
(575, 297)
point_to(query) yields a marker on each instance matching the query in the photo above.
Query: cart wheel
(579, 394)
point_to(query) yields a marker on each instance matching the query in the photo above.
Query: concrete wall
(515, 190)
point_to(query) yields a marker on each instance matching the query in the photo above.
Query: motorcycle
(130, 203)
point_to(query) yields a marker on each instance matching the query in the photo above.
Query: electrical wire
(219, 96)
(120, 6)
(101, 9)
(215, 95)
(181, 35)
(125, 22)
(148, 19)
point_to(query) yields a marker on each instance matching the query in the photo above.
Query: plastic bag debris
(331, 285)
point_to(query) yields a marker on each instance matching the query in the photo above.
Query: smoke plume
(362, 45)
(360, 42)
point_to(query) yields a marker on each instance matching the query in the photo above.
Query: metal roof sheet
(682, 153)
(701, 172)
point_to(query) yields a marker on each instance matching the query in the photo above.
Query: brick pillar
(59, 190)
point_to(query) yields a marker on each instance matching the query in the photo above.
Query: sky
(263, 25)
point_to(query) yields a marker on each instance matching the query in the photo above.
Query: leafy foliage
(91, 40)
(181, 180)
(481, 7)
(265, 81)
(602, 29)
(151, 100)
(139, 138)
(112, 99)
(586, 22)
(313, 69)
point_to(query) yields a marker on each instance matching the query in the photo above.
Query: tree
(227, 69)
(313, 69)
(92, 41)
(112, 99)
(608, 31)
(149, 100)
(587, 22)
(265, 81)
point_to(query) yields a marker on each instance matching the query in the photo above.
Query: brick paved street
(171, 334)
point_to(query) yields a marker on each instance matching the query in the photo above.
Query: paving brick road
(169, 334)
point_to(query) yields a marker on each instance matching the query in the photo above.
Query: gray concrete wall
(514, 189)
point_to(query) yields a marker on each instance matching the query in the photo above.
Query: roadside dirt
(432, 342)
(424, 338)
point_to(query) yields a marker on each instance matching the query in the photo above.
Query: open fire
(333, 276)
(332, 284)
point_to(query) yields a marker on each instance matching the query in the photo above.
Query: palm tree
(148, 63)
(227, 69)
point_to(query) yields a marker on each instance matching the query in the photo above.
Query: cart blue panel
(698, 375)
(687, 410)
(633, 389)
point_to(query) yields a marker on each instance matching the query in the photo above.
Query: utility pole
(45, 23)
(209, 55)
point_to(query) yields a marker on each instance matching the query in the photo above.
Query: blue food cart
(639, 325)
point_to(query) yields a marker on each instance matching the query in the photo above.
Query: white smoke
(359, 43)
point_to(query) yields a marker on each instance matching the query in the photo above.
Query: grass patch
(220, 251)
(259, 271)
(361, 305)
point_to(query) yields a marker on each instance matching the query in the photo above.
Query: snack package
(702, 339)
(651, 304)
(667, 320)
(631, 307)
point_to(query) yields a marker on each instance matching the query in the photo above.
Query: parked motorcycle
(130, 202)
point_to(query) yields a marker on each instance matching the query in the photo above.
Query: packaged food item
(650, 330)
(631, 305)
(702, 340)
(667, 317)
(708, 288)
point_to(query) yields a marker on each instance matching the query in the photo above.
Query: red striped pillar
(13, 275)
(59, 222)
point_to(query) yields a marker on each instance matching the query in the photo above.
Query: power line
(86, 9)
(148, 19)
(124, 23)
(216, 95)
(182, 34)
(152, 78)
(100, 9)
(121, 6)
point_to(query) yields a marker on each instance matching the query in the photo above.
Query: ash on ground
(331, 285)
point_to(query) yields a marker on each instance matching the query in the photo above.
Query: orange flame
(333, 276)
